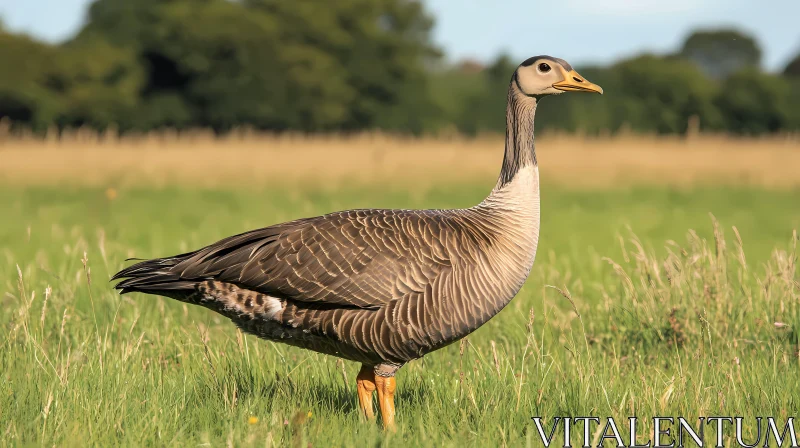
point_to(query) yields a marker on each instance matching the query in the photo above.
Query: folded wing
(356, 258)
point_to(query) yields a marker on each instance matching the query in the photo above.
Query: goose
(379, 287)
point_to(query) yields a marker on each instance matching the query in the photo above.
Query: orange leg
(365, 382)
(386, 387)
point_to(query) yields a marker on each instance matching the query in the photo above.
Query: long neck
(511, 211)
(514, 202)
(520, 152)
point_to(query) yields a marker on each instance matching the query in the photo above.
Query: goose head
(546, 75)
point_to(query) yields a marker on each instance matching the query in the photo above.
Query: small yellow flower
(309, 414)
(252, 420)
(111, 193)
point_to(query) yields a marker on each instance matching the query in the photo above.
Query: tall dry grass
(246, 158)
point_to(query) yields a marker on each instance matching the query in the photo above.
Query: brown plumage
(381, 287)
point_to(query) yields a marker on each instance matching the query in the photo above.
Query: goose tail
(156, 276)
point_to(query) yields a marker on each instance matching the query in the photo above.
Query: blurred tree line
(315, 65)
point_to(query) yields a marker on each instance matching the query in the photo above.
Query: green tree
(306, 64)
(206, 63)
(754, 103)
(25, 73)
(793, 67)
(377, 49)
(661, 94)
(647, 93)
(484, 105)
(719, 53)
(98, 84)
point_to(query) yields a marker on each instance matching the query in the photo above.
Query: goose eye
(544, 67)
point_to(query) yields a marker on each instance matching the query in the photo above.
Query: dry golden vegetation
(248, 158)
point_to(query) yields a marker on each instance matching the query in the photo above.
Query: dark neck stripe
(520, 148)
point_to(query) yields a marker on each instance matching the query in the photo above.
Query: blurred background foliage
(316, 65)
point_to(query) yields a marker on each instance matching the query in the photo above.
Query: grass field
(670, 312)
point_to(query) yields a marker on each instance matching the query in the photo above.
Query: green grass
(678, 329)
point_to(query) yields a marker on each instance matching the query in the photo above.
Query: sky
(580, 31)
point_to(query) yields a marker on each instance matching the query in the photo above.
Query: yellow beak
(573, 82)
